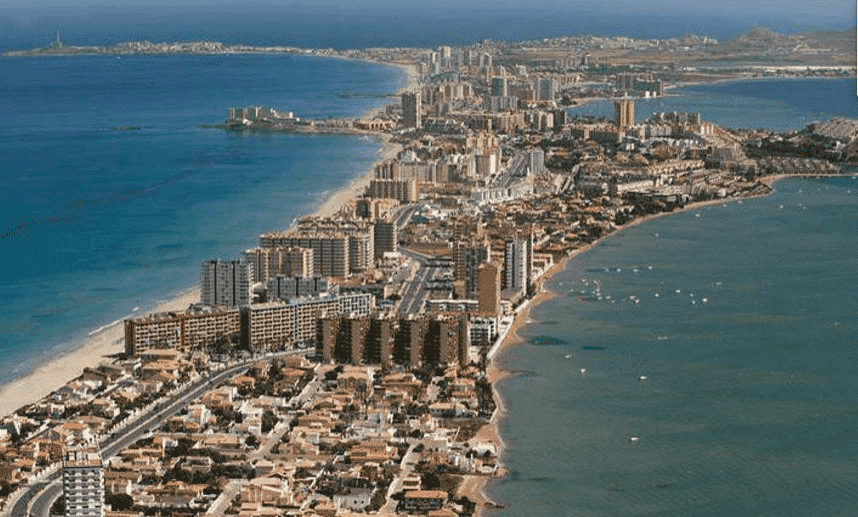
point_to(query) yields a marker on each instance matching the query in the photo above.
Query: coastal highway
(41, 496)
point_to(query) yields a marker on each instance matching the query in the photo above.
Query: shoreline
(496, 374)
(90, 351)
(108, 339)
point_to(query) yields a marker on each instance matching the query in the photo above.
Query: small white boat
(634, 439)
(642, 378)
(583, 370)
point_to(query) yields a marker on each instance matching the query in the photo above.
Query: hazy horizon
(367, 23)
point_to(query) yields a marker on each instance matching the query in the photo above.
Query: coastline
(475, 489)
(101, 343)
(108, 339)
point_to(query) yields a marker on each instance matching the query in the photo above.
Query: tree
(119, 502)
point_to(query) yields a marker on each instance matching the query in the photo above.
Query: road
(517, 168)
(404, 214)
(409, 460)
(415, 293)
(39, 499)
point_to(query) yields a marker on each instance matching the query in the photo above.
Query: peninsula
(344, 365)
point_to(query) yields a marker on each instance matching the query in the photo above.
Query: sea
(714, 377)
(701, 363)
(113, 194)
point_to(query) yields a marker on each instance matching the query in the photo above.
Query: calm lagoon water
(724, 344)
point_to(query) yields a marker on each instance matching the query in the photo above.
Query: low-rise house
(105, 408)
(424, 501)
(353, 498)
(270, 491)
(175, 493)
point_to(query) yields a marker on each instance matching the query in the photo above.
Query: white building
(83, 483)
(226, 283)
(517, 265)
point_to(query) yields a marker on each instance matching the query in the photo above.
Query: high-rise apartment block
(270, 262)
(535, 161)
(500, 86)
(467, 257)
(489, 288)
(226, 283)
(411, 342)
(195, 327)
(624, 110)
(412, 110)
(404, 191)
(277, 324)
(386, 236)
(518, 265)
(83, 483)
(545, 88)
(282, 287)
(340, 247)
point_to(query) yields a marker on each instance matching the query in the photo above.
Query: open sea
(97, 224)
(716, 374)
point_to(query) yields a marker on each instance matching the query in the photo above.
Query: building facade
(83, 483)
(624, 110)
(412, 342)
(226, 283)
(195, 327)
(412, 110)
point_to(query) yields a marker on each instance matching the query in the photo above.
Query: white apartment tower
(226, 283)
(517, 265)
(83, 483)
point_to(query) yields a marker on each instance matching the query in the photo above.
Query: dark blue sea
(716, 374)
(95, 221)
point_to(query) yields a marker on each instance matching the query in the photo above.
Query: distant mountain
(761, 38)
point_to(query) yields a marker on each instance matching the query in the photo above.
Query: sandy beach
(110, 339)
(95, 349)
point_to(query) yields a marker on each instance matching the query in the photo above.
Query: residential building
(624, 109)
(404, 191)
(269, 262)
(489, 288)
(386, 236)
(283, 287)
(411, 110)
(226, 283)
(467, 257)
(83, 483)
(195, 327)
(412, 342)
(517, 267)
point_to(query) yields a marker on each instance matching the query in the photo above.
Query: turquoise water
(742, 319)
(97, 222)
